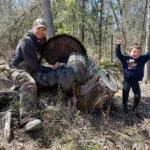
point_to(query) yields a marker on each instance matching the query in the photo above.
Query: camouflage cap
(40, 23)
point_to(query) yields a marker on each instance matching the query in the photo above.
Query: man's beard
(39, 39)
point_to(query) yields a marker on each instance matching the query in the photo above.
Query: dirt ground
(65, 130)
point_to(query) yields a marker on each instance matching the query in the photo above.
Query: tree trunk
(111, 47)
(120, 8)
(46, 7)
(147, 47)
(100, 30)
(114, 13)
(83, 21)
(143, 36)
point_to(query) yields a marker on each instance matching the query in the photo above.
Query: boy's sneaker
(137, 112)
(125, 109)
(33, 125)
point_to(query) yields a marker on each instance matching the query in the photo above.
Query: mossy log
(96, 94)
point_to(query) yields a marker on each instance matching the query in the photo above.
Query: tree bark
(111, 47)
(143, 36)
(115, 16)
(120, 8)
(83, 21)
(147, 47)
(46, 7)
(100, 30)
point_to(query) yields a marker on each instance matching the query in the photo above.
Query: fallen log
(6, 94)
(97, 92)
(7, 128)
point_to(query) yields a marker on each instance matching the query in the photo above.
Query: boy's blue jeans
(136, 90)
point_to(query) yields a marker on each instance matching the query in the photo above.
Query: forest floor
(64, 129)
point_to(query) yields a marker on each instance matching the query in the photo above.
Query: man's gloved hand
(56, 65)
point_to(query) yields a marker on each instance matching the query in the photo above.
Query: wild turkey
(93, 87)
(62, 46)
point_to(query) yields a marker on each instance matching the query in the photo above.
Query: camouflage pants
(28, 91)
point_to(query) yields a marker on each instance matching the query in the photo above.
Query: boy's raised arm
(147, 55)
(118, 50)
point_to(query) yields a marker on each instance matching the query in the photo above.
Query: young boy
(133, 72)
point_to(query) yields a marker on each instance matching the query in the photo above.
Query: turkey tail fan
(62, 45)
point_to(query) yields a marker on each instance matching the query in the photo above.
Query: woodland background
(97, 23)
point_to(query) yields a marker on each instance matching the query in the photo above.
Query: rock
(33, 125)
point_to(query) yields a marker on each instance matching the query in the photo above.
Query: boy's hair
(135, 45)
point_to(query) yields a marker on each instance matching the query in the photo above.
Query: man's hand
(56, 65)
(119, 41)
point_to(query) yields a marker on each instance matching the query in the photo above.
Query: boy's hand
(119, 41)
(56, 65)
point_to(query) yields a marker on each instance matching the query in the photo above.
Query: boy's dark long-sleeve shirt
(30, 51)
(133, 69)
